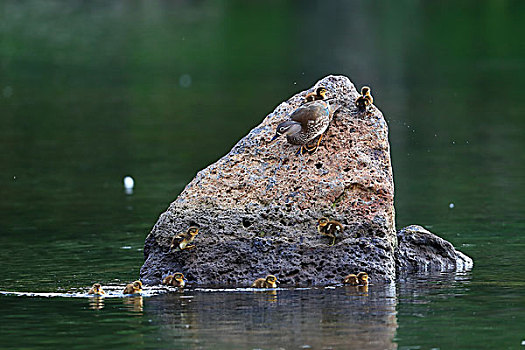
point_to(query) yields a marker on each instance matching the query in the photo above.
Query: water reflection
(356, 290)
(96, 303)
(360, 317)
(134, 303)
(271, 295)
(340, 317)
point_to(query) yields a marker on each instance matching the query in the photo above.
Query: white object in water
(451, 205)
(129, 183)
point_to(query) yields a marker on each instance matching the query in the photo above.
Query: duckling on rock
(351, 279)
(96, 289)
(365, 100)
(306, 124)
(133, 288)
(330, 228)
(181, 241)
(363, 278)
(175, 280)
(318, 94)
(269, 282)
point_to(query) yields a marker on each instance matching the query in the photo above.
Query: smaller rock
(420, 250)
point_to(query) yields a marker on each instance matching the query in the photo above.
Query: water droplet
(129, 182)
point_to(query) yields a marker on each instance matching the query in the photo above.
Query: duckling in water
(365, 100)
(96, 289)
(319, 94)
(351, 279)
(133, 288)
(330, 228)
(269, 282)
(181, 241)
(175, 280)
(306, 124)
(363, 278)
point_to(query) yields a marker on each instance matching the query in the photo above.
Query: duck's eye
(282, 129)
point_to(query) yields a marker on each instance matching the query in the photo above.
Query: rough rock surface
(422, 251)
(257, 207)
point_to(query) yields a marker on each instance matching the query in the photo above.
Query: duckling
(365, 100)
(96, 289)
(306, 123)
(319, 94)
(181, 241)
(269, 282)
(351, 279)
(363, 278)
(133, 288)
(330, 228)
(175, 280)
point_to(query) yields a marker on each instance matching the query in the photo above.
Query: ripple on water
(115, 291)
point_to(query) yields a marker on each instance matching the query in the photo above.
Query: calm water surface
(93, 91)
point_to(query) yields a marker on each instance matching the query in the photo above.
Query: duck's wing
(310, 111)
(177, 238)
(334, 227)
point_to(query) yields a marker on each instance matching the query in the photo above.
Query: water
(92, 92)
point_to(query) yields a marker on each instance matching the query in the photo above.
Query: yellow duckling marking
(269, 282)
(96, 289)
(133, 288)
(351, 279)
(329, 228)
(319, 94)
(365, 100)
(175, 280)
(363, 278)
(182, 241)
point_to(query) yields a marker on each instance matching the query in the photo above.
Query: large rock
(422, 251)
(257, 207)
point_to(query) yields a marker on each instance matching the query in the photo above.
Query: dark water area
(93, 91)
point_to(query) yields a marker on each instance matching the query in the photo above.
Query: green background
(92, 91)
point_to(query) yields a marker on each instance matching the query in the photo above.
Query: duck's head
(321, 91)
(351, 279)
(97, 288)
(179, 277)
(365, 90)
(288, 127)
(362, 277)
(323, 221)
(272, 280)
(137, 285)
(193, 230)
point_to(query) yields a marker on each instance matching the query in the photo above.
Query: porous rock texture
(257, 207)
(422, 251)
